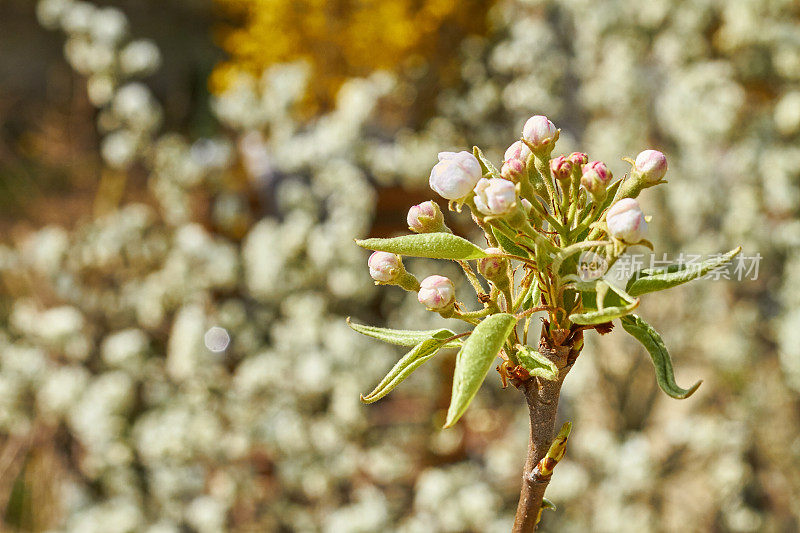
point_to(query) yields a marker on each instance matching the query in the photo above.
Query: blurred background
(180, 184)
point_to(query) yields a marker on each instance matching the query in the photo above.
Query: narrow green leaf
(547, 504)
(651, 340)
(486, 165)
(607, 314)
(431, 245)
(659, 279)
(508, 245)
(404, 367)
(536, 364)
(532, 297)
(475, 359)
(404, 337)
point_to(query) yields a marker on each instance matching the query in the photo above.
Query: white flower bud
(595, 178)
(426, 218)
(539, 131)
(455, 175)
(512, 170)
(492, 267)
(519, 151)
(495, 196)
(385, 267)
(436, 292)
(626, 221)
(652, 165)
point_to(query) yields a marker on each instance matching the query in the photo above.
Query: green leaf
(532, 297)
(536, 364)
(547, 504)
(607, 314)
(651, 340)
(659, 279)
(508, 245)
(475, 359)
(404, 337)
(405, 366)
(616, 303)
(486, 165)
(431, 245)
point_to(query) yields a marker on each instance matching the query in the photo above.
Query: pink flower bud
(492, 267)
(519, 150)
(425, 218)
(561, 167)
(626, 221)
(512, 170)
(385, 267)
(595, 178)
(495, 196)
(578, 159)
(652, 165)
(539, 131)
(436, 292)
(455, 175)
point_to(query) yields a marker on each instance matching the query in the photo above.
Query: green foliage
(508, 245)
(605, 303)
(662, 278)
(536, 364)
(431, 245)
(474, 361)
(651, 340)
(407, 364)
(404, 337)
(486, 165)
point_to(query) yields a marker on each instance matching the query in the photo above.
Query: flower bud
(436, 292)
(539, 131)
(426, 218)
(519, 151)
(595, 179)
(626, 221)
(561, 167)
(652, 165)
(578, 159)
(495, 196)
(455, 175)
(512, 170)
(385, 267)
(492, 268)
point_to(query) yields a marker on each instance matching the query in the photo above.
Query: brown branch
(541, 396)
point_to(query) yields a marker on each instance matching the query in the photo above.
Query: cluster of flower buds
(541, 204)
(553, 226)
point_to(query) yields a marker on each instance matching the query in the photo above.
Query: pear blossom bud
(436, 292)
(526, 206)
(539, 131)
(512, 169)
(426, 218)
(652, 165)
(561, 167)
(595, 179)
(385, 267)
(492, 268)
(495, 196)
(455, 175)
(578, 159)
(519, 150)
(626, 221)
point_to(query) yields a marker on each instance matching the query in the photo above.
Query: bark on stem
(542, 398)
